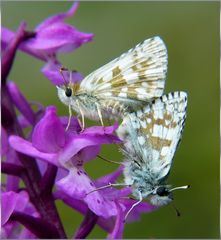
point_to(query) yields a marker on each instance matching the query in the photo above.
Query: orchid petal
(26, 147)
(77, 184)
(49, 134)
(20, 102)
(51, 70)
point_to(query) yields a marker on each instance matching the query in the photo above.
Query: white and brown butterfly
(151, 136)
(120, 86)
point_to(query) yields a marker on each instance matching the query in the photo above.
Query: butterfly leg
(99, 114)
(134, 205)
(82, 116)
(69, 118)
(107, 160)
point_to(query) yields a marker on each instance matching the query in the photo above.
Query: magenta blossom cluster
(41, 161)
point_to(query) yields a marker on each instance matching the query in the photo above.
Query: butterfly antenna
(133, 206)
(107, 186)
(62, 69)
(176, 210)
(181, 187)
(107, 160)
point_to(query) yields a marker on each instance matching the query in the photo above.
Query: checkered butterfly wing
(153, 133)
(138, 74)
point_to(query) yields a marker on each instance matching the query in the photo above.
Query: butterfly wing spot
(116, 71)
(155, 154)
(158, 143)
(75, 88)
(149, 120)
(122, 94)
(143, 124)
(164, 150)
(107, 94)
(141, 140)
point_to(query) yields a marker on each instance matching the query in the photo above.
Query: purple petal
(10, 156)
(88, 153)
(8, 202)
(100, 130)
(12, 182)
(74, 126)
(58, 17)
(20, 102)
(77, 184)
(57, 37)
(6, 37)
(12, 201)
(52, 36)
(49, 134)
(26, 147)
(110, 178)
(112, 193)
(80, 206)
(23, 122)
(79, 142)
(118, 229)
(19, 202)
(4, 141)
(51, 70)
(10, 51)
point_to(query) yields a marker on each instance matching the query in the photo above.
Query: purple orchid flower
(52, 36)
(69, 150)
(114, 225)
(53, 144)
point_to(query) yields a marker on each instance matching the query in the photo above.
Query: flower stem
(44, 203)
(9, 54)
(47, 181)
(36, 225)
(87, 225)
(12, 169)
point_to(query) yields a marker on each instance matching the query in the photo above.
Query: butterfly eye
(162, 191)
(68, 92)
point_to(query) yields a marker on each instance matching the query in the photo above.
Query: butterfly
(151, 136)
(121, 85)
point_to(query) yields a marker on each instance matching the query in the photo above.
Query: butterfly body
(151, 136)
(89, 105)
(121, 85)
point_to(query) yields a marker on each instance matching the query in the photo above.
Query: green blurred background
(191, 33)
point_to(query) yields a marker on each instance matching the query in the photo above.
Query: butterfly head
(67, 93)
(163, 195)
